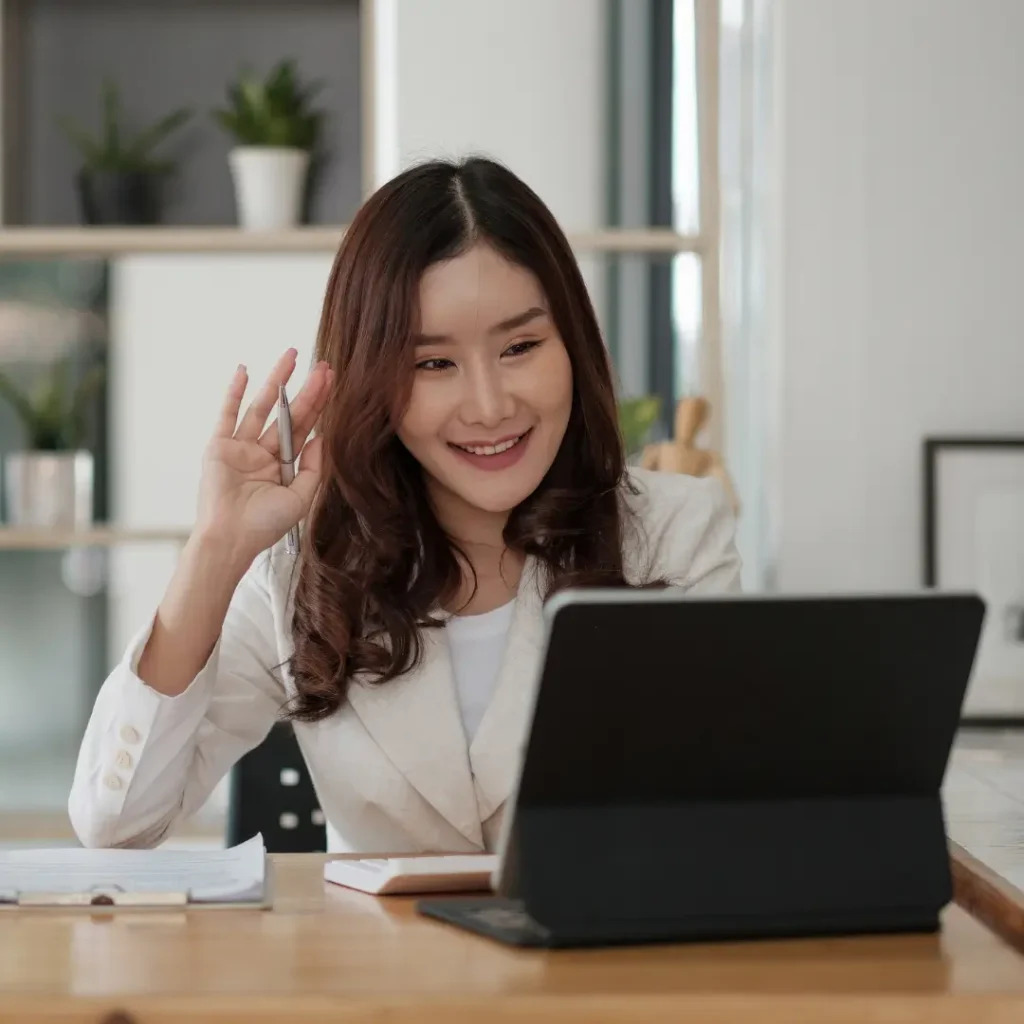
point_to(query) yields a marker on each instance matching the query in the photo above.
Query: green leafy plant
(271, 112)
(53, 412)
(114, 149)
(636, 418)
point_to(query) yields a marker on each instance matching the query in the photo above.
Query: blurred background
(800, 218)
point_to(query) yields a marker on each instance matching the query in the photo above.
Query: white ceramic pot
(45, 490)
(269, 185)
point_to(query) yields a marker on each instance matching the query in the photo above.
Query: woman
(467, 463)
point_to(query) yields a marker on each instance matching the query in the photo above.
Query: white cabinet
(180, 324)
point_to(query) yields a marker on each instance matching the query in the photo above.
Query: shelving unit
(167, 314)
(44, 241)
(19, 539)
(58, 644)
(164, 55)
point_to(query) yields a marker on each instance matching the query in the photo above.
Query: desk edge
(987, 896)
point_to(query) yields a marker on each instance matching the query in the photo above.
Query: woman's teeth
(492, 449)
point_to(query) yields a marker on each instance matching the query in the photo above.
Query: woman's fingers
(232, 403)
(256, 415)
(306, 419)
(308, 476)
(305, 409)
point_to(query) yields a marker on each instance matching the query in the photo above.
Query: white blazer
(391, 768)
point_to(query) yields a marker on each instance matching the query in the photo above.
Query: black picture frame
(933, 449)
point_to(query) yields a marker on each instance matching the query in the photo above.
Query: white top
(392, 768)
(477, 644)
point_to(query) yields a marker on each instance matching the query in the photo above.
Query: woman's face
(492, 390)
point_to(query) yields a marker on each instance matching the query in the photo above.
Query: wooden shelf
(87, 241)
(122, 241)
(635, 240)
(15, 538)
(30, 827)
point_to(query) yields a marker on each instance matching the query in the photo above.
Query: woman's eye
(520, 348)
(434, 365)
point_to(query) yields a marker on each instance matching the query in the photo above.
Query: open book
(70, 876)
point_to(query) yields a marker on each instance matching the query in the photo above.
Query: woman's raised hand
(242, 502)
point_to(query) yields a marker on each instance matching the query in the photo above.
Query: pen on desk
(284, 434)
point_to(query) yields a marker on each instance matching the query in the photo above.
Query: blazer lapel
(415, 719)
(501, 736)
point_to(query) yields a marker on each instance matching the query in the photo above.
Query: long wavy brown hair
(376, 564)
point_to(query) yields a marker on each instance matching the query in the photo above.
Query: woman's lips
(499, 460)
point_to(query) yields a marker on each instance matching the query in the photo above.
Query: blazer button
(113, 782)
(123, 759)
(129, 735)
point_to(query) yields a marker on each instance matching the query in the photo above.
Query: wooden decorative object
(681, 455)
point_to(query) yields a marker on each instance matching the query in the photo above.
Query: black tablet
(735, 766)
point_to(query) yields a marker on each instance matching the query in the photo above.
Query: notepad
(233, 876)
(392, 876)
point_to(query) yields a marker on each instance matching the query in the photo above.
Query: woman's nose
(486, 401)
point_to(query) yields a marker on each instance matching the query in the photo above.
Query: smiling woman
(484, 337)
(467, 463)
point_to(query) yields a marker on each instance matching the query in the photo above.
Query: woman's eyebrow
(519, 320)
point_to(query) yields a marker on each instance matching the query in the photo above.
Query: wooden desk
(327, 954)
(984, 799)
(333, 955)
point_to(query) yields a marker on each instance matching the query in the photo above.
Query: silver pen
(284, 436)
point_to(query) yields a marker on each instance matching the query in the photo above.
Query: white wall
(898, 269)
(521, 81)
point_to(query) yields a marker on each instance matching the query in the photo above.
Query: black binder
(735, 767)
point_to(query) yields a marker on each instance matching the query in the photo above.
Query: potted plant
(119, 180)
(50, 483)
(636, 418)
(275, 130)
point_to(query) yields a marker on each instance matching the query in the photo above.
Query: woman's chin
(501, 502)
(499, 495)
